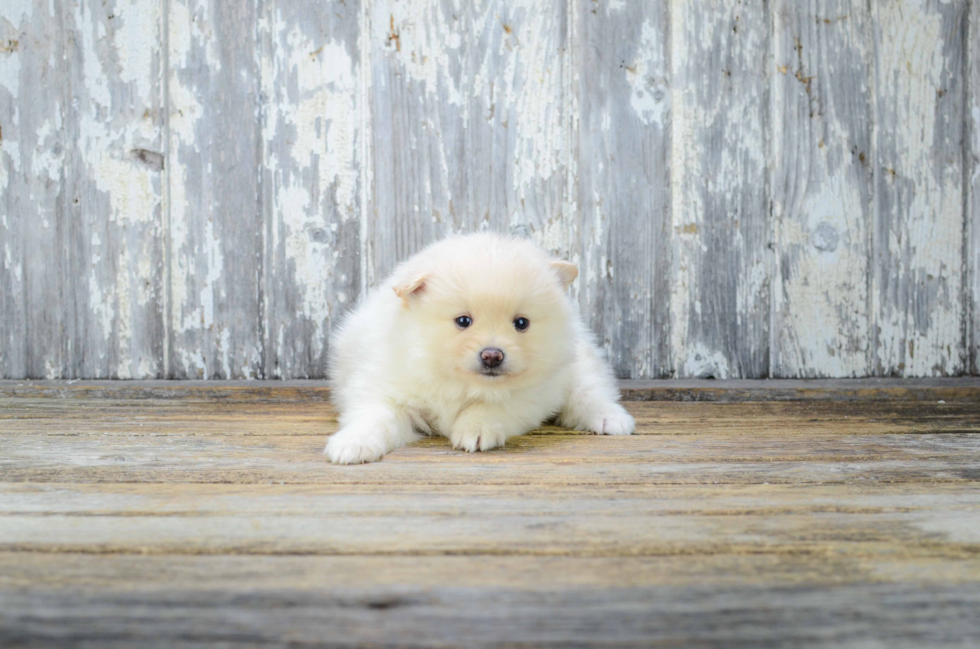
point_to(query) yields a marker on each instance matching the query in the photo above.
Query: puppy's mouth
(492, 371)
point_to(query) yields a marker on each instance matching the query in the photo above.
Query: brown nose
(491, 357)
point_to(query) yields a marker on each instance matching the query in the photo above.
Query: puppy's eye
(521, 324)
(464, 321)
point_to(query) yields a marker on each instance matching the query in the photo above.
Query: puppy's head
(486, 310)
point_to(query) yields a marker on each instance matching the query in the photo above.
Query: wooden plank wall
(198, 189)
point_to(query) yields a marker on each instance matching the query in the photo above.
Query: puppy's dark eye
(464, 321)
(521, 324)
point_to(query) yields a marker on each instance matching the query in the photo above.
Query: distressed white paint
(719, 304)
(116, 187)
(216, 246)
(821, 187)
(917, 295)
(474, 95)
(311, 131)
(972, 221)
(193, 188)
(35, 322)
(622, 120)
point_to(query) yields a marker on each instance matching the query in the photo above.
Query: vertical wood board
(215, 222)
(467, 122)
(821, 187)
(720, 277)
(35, 316)
(311, 177)
(622, 194)
(971, 296)
(917, 295)
(115, 187)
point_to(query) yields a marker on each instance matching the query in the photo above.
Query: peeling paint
(918, 280)
(727, 191)
(651, 96)
(719, 300)
(15, 11)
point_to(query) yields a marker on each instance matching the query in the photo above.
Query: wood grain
(311, 178)
(468, 125)
(35, 271)
(918, 267)
(822, 188)
(195, 189)
(898, 615)
(720, 305)
(215, 225)
(622, 97)
(887, 389)
(972, 216)
(208, 515)
(115, 188)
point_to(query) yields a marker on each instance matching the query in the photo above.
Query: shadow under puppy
(473, 338)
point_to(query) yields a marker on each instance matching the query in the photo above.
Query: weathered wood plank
(468, 129)
(689, 443)
(801, 522)
(823, 615)
(195, 573)
(855, 521)
(190, 500)
(878, 389)
(972, 223)
(296, 414)
(115, 188)
(822, 187)
(719, 305)
(623, 117)
(917, 290)
(311, 177)
(215, 222)
(34, 234)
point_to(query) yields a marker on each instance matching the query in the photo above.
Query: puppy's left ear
(413, 287)
(567, 271)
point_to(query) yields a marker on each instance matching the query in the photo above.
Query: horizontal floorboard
(798, 514)
(892, 615)
(916, 389)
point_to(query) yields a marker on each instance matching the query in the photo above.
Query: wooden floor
(770, 514)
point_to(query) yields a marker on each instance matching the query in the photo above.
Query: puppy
(474, 339)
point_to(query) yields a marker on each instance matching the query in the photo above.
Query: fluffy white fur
(401, 365)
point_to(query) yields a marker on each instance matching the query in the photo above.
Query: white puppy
(474, 339)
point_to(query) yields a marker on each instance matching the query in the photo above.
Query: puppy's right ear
(567, 271)
(413, 287)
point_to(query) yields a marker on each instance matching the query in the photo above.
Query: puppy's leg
(369, 433)
(483, 426)
(592, 402)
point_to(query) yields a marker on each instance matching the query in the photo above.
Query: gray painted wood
(115, 187)
(821, 187)
(468, 125)
(35, 311)
(828, 615)
(196, 189)
(215, 224)
(971, 295)
(720, 209)
(311, 177)
(622, 194)
(917, 290)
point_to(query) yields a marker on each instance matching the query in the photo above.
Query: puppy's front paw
(613, 421)
(344, 447)
(478, 438)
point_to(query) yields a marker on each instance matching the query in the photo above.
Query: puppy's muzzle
(491, 357)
